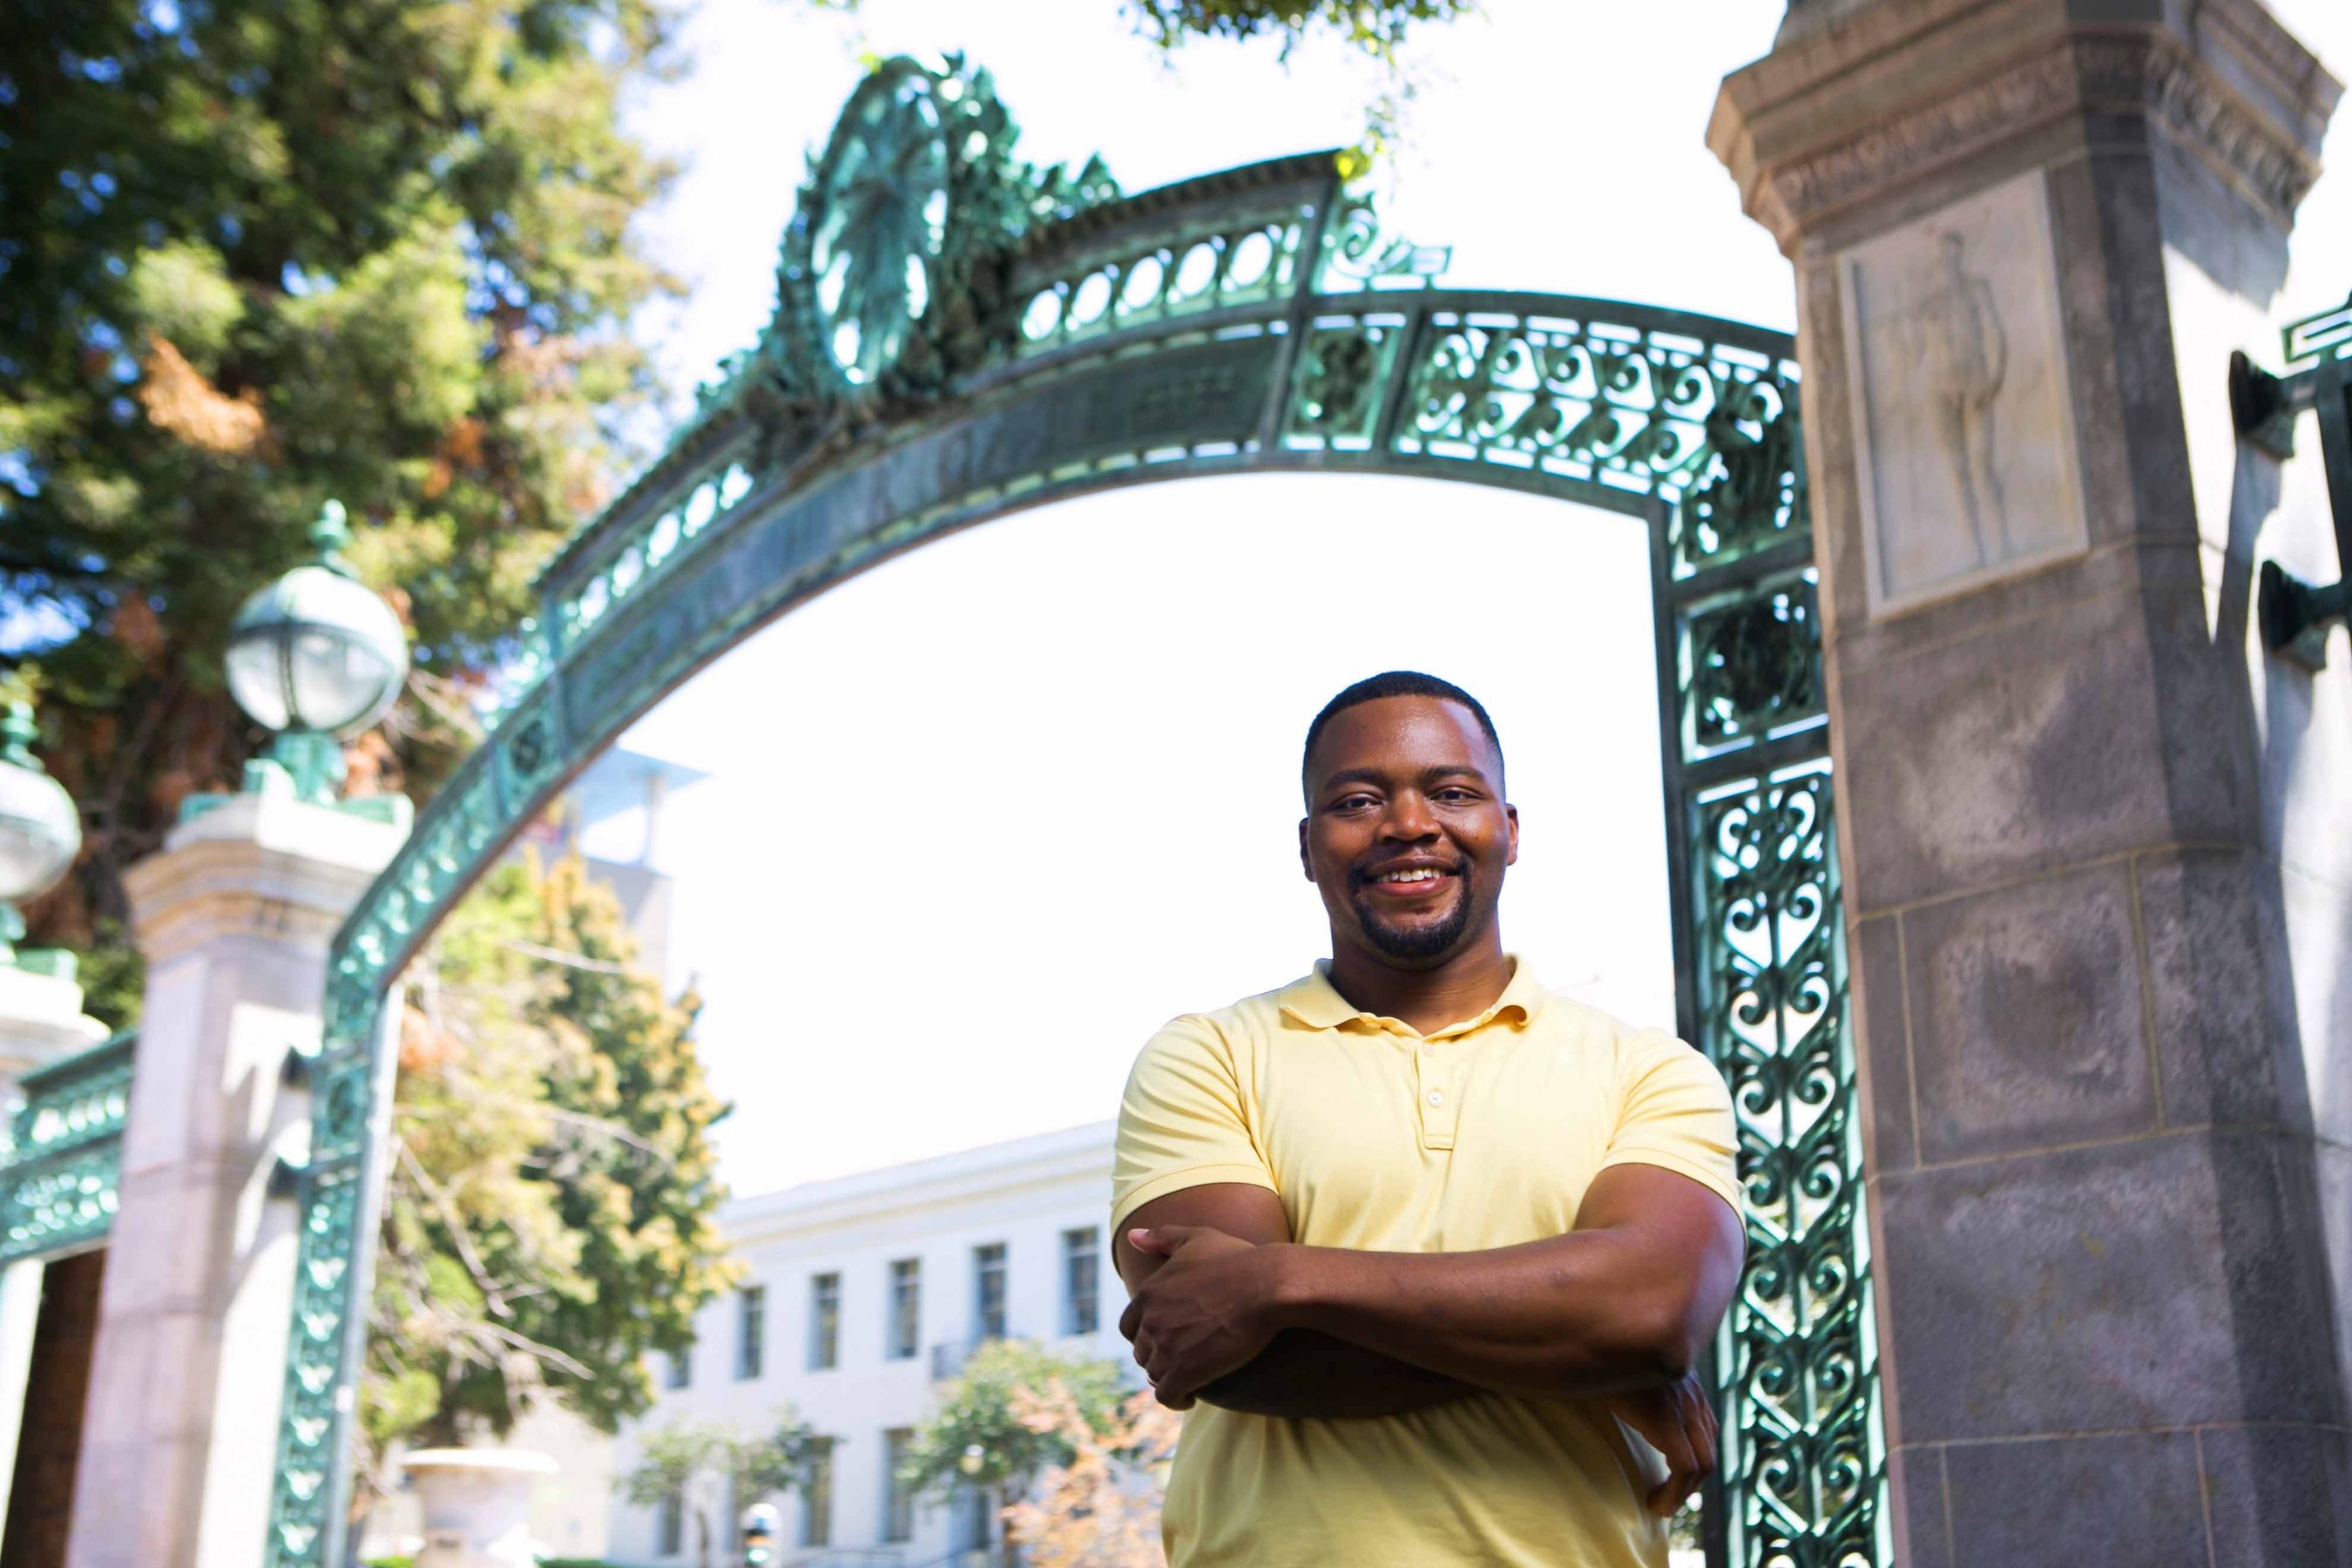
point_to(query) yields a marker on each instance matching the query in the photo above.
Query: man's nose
(1408, 819)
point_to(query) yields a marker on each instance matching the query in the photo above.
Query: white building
(862, 1293)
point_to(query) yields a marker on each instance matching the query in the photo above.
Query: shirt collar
(1316, 1003)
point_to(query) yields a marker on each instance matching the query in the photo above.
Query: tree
(256, 253)
(550, 1222)
(1101, 1508)
(977, 1438)
(1377, 27)
(700, 1463)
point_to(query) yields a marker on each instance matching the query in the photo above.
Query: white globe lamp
(40, 830)
(315, 656)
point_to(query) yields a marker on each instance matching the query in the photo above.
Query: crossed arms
(1226, 1308)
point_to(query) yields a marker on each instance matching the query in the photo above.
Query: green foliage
(670, 1458)
(255, 253)
(1374, 26)
(113, 976)
(974, 1437)
(550, 1224)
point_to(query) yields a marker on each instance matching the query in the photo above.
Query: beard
(1421, 945)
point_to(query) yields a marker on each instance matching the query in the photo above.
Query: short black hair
(1397, 683)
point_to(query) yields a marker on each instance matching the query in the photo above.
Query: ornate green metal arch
(960, 336)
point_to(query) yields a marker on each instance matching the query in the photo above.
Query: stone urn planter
(477, 1505)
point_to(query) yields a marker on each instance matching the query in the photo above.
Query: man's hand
(1678, 1421)
(1202, 1313)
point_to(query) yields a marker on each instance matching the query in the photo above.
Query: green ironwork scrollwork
(894, 271)
(58, 1189)
(1751, 804)
(1801, 1443)
(1755, 666)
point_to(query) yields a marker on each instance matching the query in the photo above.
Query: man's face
(1406, 832)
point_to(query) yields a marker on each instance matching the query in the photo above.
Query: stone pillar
(233, 916)
(2021, 228)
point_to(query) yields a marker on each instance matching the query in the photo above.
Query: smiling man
(1416, 1242)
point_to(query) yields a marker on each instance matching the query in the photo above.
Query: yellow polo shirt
(1484, 1134)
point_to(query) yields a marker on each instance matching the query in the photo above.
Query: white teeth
(1423, 875)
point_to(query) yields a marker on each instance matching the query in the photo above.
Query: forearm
(1304, 1373)
(1585, 1315)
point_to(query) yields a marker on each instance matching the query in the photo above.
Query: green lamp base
(305, 765)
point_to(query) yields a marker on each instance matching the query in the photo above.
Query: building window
(669, 1526)
(897, 1497)
(1081, 1268)
(824, 1322)
(906, 1327)
(751, 1331)
(681, 1369)
(988, 1291)
(816, 1496)
(972, 1523)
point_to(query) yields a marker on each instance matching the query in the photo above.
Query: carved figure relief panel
(1964, 424)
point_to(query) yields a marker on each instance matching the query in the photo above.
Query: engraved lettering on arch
(1020, 446)
(1184, 400)
(952, 461)
(901, 486)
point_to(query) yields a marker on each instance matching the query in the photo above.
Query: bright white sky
(983, 818)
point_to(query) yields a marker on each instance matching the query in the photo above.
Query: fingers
(1667, 1499)
(1131, 1319)
(1706, 1434)
(1165, 1385)
(1162, 1238)
(1683, 1471)
(1690, 1450)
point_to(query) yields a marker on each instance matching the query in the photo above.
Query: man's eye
(1455, 795)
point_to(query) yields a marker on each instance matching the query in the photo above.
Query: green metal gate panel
(1017, 336)
(64, 1154)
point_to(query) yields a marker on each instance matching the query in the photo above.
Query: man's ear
(1512, 812)
(1304, 863)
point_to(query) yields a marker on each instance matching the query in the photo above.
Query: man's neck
(1463, 986)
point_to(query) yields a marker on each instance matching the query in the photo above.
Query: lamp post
(40, 831)
(314, 656)
(762, 1523)
(2294, 615)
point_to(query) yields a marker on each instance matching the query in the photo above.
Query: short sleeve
(1183, 1122)
(1674, 1112)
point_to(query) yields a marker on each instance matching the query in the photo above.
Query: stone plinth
(477, 1505)
(235, 916)
(41, 1021)
(2026, 233)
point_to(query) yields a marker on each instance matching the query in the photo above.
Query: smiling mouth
(1409, 881)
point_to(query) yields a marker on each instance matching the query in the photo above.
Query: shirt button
(1436, 1097)
(1428, 1049)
